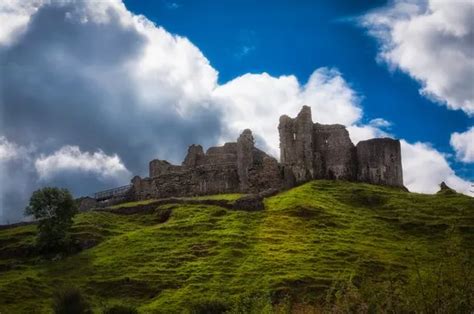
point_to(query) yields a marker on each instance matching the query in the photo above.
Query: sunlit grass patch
(305, 240)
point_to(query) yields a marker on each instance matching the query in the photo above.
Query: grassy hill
(323, 245)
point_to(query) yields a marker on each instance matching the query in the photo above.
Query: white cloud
(168, 70)
(380, 123)
(463, 145)
(14, 16)
(171, 70)
(424, 168)
(362, 132)
(10, 151)
(71, 158)
(257, 101)
(432, 41)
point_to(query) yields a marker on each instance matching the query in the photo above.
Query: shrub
(121, 309)
(163, 214)
(70, 301)
(208, 307)
(251, 304)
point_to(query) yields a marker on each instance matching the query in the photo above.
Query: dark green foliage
(251, 304)
(447, 285)
(120, 309)
(208, 307)
(54, 209)
(70, 301)
(162, 214)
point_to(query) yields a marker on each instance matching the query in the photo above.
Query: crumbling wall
(226, 154)
(188, 182)
(245, 146)
(296, 145)
(195, 156)
(315, 151)
(158, 167)
(318, 151)
(287, 140)
(144, 188)
(304, 165)
(380, 162)
(307, 151)
(334, 153)
(265, 173)
(231, 168)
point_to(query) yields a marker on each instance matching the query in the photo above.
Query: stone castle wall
(380, 162)
(231, 168)
(307, 151)
(316, 151)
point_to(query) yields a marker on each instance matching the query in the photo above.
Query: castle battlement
(318, 151)
(307, 151)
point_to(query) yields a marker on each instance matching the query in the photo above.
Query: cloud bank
(424, 168)
(463, 145)
(90, 92)
(432, 41)
(70, 158)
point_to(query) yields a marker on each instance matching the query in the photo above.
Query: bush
(121, 309)
(251, 304)
(208, 307)
(70, 301)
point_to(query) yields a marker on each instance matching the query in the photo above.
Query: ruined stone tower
(380, 162)
(307, 151)
(316, 151)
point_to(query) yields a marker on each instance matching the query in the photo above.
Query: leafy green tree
(54, 209)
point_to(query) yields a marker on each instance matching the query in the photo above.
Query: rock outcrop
(307, 151)
(445, 189)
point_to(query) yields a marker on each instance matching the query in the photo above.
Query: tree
(54, 209)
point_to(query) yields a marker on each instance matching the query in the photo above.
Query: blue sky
(288, 37)
(91, 91)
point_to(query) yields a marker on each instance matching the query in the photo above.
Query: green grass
(225, 197)
(305, 240)
(133, 204)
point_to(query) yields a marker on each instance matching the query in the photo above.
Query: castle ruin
(307, 151)
(317, 151)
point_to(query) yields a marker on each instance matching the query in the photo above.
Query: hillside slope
(305, 240)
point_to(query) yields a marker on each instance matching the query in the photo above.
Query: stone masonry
(317, 151)
(231, 168)
(307, 151)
